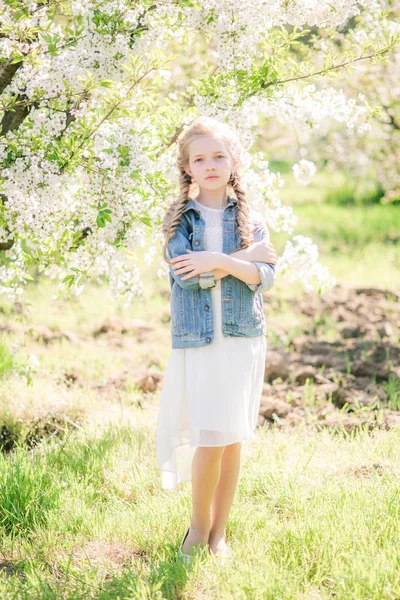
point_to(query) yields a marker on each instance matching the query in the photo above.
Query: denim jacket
(192, 321)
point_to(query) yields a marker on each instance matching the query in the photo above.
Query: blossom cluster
(304, 170)
(299, 261)
(239, 27)
(374, 156)
(263, 195)
(89, 171)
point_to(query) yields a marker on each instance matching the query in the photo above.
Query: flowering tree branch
(87, 155)
(376, 54)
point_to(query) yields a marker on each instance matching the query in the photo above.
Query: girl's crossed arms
(240, 266)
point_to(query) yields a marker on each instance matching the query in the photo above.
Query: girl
(220, 261)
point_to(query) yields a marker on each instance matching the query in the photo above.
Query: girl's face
(208, 156)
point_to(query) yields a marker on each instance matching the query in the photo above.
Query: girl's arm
(177, 246)
(244, 258)
(262, 271)
(241, 269)
(266, 270)
(257, 251)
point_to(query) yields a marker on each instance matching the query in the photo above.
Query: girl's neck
(217, 203)
(209, 207)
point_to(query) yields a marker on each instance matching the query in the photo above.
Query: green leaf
(17, 15)
(69, 279)
(28, 277)
(17, 59)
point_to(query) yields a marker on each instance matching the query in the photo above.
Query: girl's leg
(224, 493)
(206, 471)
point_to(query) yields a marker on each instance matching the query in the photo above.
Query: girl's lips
(213, 177)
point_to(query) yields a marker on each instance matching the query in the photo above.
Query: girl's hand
(195, 262)
(262, 252)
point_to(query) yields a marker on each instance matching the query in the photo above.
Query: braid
(243, 211)
(174, 212)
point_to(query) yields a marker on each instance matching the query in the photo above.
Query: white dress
(210, 394)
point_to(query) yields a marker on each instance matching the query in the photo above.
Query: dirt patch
(368, 471)
(32, 432)
(40, 333)
(350, 381)
(114, 327)
(103, 554)
(144, 379)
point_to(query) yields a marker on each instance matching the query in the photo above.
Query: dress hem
(167, 474)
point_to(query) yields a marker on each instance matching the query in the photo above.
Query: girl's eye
(219, 156)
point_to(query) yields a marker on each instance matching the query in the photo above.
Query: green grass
(28, 493)
(358, 243)
(313, 516)
(341, 229)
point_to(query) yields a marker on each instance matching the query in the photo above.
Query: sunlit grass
(312, 515)
(359, 244)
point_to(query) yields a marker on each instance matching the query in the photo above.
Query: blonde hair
(202, 126)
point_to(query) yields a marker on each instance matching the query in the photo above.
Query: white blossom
(304, 171)
(299, 261)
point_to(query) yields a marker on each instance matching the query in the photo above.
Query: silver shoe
(223, 554)
(187, 558)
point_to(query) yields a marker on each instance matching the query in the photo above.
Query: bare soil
(349, 378)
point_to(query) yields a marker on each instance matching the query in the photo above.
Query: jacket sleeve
(266, 270)
(178, 245)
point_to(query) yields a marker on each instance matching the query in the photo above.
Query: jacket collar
(191, 204)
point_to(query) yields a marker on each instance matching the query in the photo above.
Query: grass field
(82, 511)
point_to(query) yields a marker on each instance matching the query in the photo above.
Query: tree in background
(94, 95)
(371, 161)
(375, 156)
